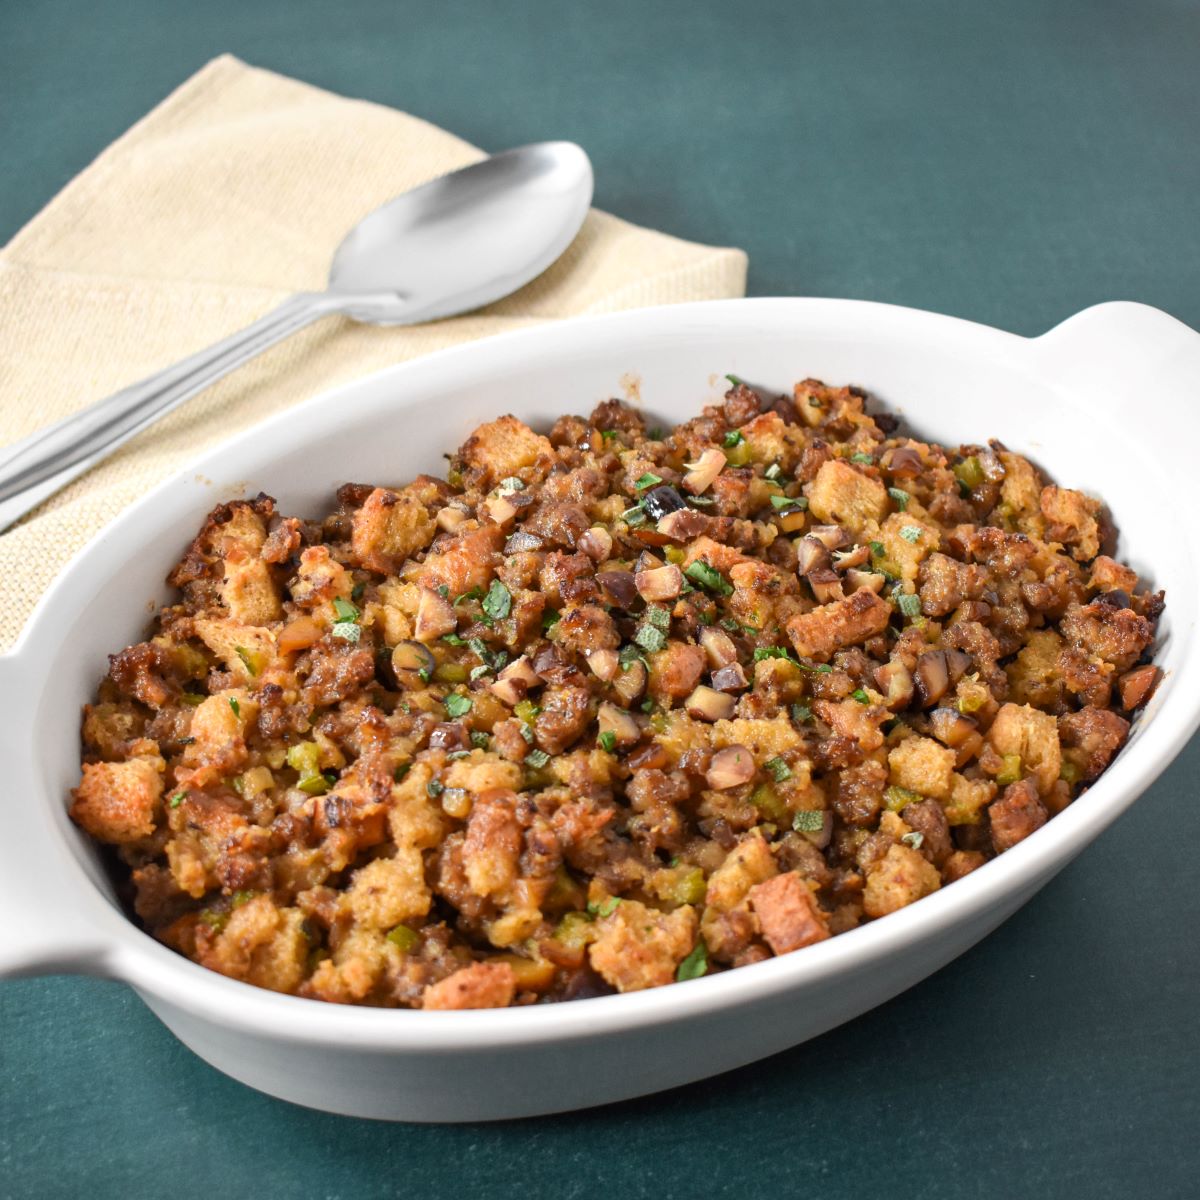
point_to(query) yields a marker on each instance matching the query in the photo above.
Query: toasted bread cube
(900, 878)
(388, 528)
(840, 495)
(922, 765)
(1023, 731)
(116, 801)
(503, 447)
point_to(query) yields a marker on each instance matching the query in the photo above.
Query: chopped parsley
(480, 740)
(476, 593)
(817, 668)
(457, 705)
(648, 480)
(911, 534)
(733, 438)
(607, 740)
(237, 708)
(498, 601)
(536, 759)
(910, 605)
(778, 768)
(865, 459)
(783, 502)
(177, 799)
(773, 652)
(695, 965)
(861, 696)
(700, 572)
(452, 639)
(608, 434)
(809, 820)
(900, 496)
(443, 590)
(550, 618)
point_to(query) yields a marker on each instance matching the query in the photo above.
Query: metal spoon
(447, 247)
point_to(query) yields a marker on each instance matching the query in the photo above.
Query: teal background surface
(1006, 162)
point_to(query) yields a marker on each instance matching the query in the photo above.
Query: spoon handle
(48, 459)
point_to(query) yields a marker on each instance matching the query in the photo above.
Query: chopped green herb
(607, 740)
(700, 501)
(808, 820)
(801, 712)
(443, 590)
(909, 605)
(434, 789)
(900, 496)
(536, 759)
(877, 550)
(865, 459)
(763, 652)
(347, 631)
(778, 768)
(658, 616)
(861, 696)
(735, 381)
(608, 434)
(605, 908)
(816, 668)
(345, 610)
(400, 772)
(733, 438)
(649, 638)
(911, 534)
(356, 592)
(647, 706)
(634, 516)
(785, 502)
(648, 480)
(452, 639)
(498, 601)
(511, 484)
(654, 433)
(479, 672)
(476, 593)
(695, 965)
(550, 618)
(177, 799)
(237, 708)
(480, 740)
(247, 661)
(457, 705)
(629, 655)
(700, 572)
(914, 839)
(192, 699)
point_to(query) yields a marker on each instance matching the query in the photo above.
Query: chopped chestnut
(855, 557)
(522, 542)
(706, 704)
(652, 757)
(826, 585)
(718, 645)
(932, 677)
(661, 583)
(630, 682)
(435, 616)
(904, 462)
(865, 579)
(619, 588)
(514, 683)
(596, 543)
(450, 518)
(730, 679)
(950, 726)
(604, 664)
(895, 681)
(832, 537)
(500, 510)
(1137, 686)
(730, 768)
(704, 470)
(811, 555)
(614, 720)
(662, 500)
(413, 664)
(958, 663)
(684, 525)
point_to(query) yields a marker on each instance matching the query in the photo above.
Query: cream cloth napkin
(227, 197)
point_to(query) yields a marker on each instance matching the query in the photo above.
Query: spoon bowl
(466, 239)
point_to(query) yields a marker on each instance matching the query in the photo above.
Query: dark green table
(1009, 162)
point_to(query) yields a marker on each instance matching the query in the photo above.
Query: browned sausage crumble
(611, 707)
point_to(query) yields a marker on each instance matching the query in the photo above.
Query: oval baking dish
(1070, 400)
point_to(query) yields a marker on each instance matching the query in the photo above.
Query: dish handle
(1121, 353)
(51, 922)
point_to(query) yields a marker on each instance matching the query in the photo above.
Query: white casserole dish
(1099, 402)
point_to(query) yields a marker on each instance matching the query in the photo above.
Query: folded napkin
(226, 198)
